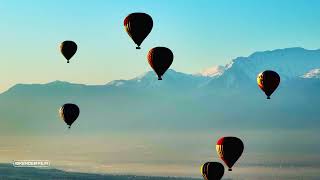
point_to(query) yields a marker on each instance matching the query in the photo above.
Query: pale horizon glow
(168, 154)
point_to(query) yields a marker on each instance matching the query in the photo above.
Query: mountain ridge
(248, 66)
(179, 102)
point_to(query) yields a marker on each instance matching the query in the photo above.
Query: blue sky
(200, 33)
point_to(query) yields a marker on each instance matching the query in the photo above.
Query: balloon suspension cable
(159, 78)
(138, 47)
(268, 97)
(229, 169)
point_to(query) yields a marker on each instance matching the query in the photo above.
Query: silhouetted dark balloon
(268, 81)
(160, 59)
(229, 150)
(69, 113)
(138, 26)
(68, 49)
(212, 170)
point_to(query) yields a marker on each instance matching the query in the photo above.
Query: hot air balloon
(212, 170)
(68, 49)
(69, 113)
(229, 150)
(268, 81)
(138, 26)
(160, 59)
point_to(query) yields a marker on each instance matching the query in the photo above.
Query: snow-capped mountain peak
(314, 73)
(289, 63)
(213, 71)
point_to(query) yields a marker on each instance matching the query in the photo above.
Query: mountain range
(219, 97)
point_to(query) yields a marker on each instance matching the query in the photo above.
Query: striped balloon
(212, 170)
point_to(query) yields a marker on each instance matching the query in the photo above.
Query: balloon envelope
(69, 113)
(268, 81)
(138, 26)
(212, 171)
(160, 59)
(229, 150)
(68, 49)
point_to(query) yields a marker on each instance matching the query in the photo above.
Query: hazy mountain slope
(179, 102)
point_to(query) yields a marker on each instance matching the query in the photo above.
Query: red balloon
(229, 150)
(160, 59)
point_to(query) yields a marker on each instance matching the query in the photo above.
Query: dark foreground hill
(7, 171)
